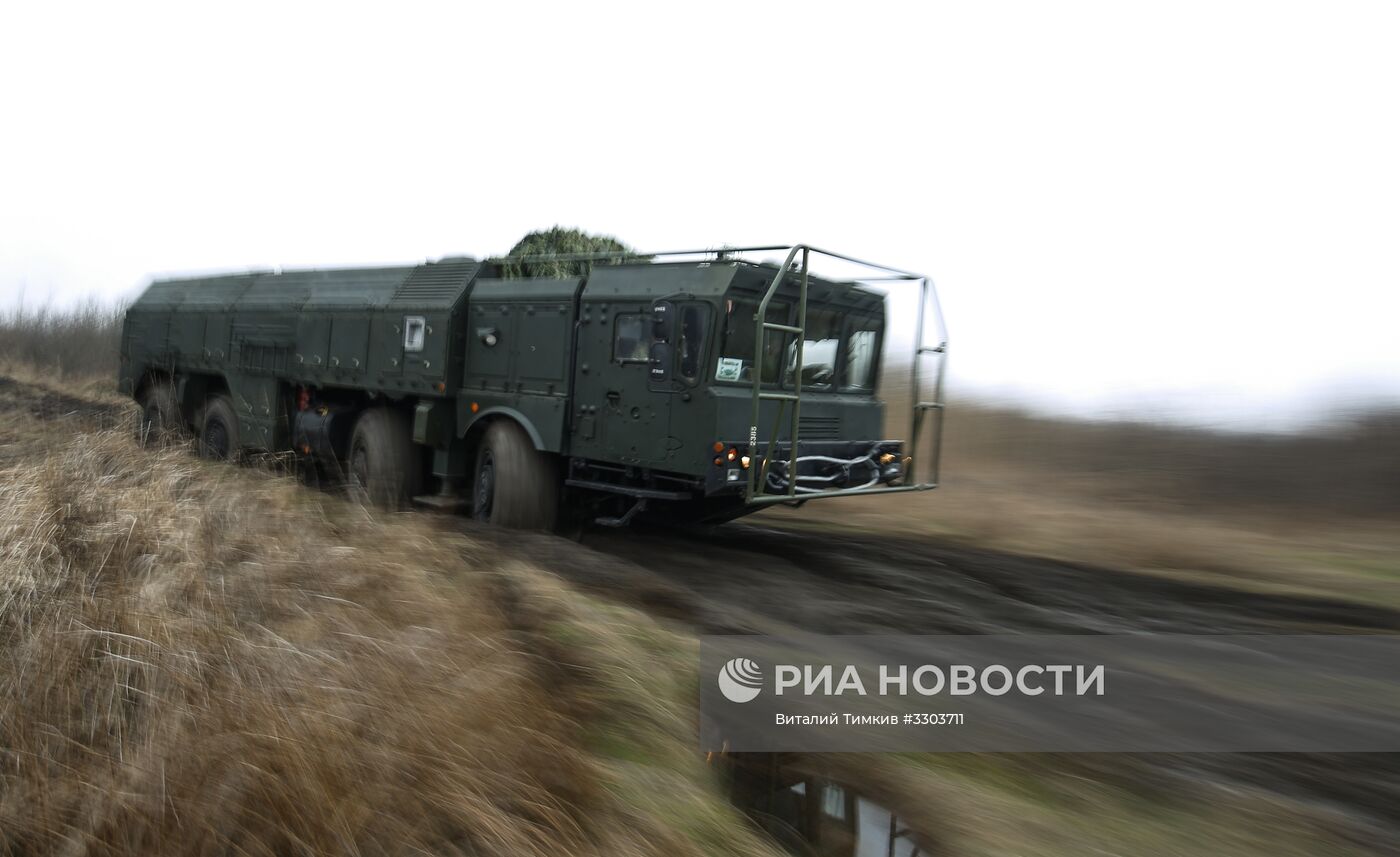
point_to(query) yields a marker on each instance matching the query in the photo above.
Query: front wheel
(516, 485)
(160, 415)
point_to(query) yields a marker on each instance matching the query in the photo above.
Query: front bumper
(822, 466)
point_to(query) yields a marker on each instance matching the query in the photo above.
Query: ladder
(756, 485)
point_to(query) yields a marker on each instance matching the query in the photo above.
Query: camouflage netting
(556, 241)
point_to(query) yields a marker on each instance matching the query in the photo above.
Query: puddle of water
(879, 832)
(808, 814)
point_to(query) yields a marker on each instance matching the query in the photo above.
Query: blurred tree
(558, 240)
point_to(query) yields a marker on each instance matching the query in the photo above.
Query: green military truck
(694, 386)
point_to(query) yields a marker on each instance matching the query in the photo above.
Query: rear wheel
(383, 462)
(160, 415)
(218, 430)
(516, 485)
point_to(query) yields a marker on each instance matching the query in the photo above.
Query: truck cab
(668, 361)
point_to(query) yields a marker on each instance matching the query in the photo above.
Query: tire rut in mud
(742, 578)
(47, 405)
(838, 583)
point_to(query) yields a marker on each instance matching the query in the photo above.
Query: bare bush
(82, 341)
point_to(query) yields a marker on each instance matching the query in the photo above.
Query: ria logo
(740, 680)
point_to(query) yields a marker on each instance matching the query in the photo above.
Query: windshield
(862, 354)
(736, 354)
(839, 351)
(819, 350)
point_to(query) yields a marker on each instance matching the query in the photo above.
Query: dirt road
(751, 578)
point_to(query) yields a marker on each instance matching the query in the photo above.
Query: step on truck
(693, 386)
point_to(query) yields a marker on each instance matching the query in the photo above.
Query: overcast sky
(1178, 206)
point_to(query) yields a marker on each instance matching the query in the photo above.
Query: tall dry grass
(1348, 467)
(1345, 463)
(207, 660)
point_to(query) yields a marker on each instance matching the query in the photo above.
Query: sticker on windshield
(729, 369)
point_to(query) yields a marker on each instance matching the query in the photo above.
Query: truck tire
(516, 485)
(160, 421)
(218, 430)
(383, 465)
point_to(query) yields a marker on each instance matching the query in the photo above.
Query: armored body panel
(324, 327)
(520, 356)
(381, 331)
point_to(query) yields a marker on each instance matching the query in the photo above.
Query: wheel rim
(150, 422)
(485, 487)
(216, 439)
(359, 469)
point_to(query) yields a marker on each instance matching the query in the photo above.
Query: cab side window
(630, 341)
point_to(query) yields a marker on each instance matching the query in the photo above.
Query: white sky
(1188, 208)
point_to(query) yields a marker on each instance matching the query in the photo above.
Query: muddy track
(764, 577)
(48, 405)
(749, 578)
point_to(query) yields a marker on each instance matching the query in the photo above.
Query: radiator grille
(818, 428)
(264, 357)
(436, 282)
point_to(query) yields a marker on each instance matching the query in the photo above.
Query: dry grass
(207, 660)
(1307, 513)
(1347, 467)
(201, 659)
(1002, 508)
